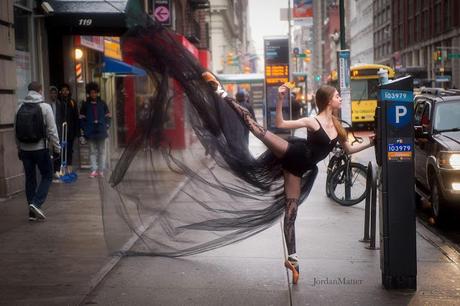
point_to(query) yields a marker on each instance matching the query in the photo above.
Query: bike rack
(370, 211)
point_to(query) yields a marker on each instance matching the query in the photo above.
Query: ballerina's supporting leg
(292, 191)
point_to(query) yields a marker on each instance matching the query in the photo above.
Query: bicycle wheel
(333, 164)
(348, 187)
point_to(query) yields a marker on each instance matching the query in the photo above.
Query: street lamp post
(342, 24)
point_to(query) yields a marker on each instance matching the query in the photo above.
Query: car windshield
(447, 117)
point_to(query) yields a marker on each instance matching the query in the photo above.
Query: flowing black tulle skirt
(174, 202)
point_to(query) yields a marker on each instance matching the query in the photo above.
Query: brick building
(419, 29)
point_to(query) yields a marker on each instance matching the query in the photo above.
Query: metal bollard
(373, 205)
(369, 177)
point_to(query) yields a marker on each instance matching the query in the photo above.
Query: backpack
(30, 127)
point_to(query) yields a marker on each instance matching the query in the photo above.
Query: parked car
(437, 148)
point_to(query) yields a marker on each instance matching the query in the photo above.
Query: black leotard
(304, 154)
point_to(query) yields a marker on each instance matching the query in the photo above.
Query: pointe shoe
(294, 267)
(215, 84)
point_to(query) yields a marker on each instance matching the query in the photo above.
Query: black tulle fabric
(166, 202)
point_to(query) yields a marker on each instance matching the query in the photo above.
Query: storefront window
(24, 3)
(22, 19)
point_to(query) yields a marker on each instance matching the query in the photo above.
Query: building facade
(230, 35)
(331, 36)
(382, 30)
(361, 32)
(19, 64)
(35, 45)
(426, 40)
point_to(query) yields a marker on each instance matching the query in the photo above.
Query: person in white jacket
(36, 153)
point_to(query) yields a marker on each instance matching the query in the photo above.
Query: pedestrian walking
(242, 98)
(95, 120)
(67, 114)
(34, 127)
(296, 106)
(297, 155)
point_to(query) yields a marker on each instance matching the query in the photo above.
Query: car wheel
(437, 202)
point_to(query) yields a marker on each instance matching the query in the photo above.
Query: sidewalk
(252, 272)
(58, 262)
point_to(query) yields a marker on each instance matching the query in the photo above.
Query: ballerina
(297, 155)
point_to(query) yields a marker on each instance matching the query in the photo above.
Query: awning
(88, 17)
(120, 68)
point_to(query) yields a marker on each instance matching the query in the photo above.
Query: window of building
(23, 3)
(437, 18)
(411, 31)
(448, 14)
(410, 8)
(395, 38)
(23, 54)
(401, 37)
(426, 25)
(418, 27)
(401, 10)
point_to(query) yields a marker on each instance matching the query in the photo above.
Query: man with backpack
(34, 126)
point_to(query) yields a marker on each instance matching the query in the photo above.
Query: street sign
(343, 66)
(453, 55)
(276, 54)
(442, 78)
(295, 50)
(162, 12)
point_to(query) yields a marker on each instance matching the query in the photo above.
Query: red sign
(162, 11)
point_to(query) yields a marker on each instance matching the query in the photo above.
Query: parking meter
(395, 157)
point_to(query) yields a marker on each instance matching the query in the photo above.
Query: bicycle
(345, 180)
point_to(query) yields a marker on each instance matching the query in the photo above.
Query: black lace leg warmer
(289, 224)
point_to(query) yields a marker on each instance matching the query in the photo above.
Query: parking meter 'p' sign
(400, 106)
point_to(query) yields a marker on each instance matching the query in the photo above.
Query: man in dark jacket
(95, 120)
